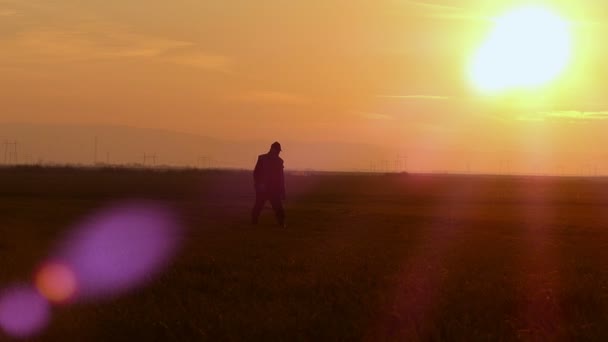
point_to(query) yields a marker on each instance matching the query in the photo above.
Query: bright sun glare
(527, 48)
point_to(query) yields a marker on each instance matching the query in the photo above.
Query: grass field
(365, 257)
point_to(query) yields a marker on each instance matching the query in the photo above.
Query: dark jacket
(268, 175)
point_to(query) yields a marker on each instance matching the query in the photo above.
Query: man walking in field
(269, 184)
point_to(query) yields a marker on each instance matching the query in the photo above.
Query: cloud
(7, 13)
(374, 116)
(415, 97)
(203, 61)
(570, 115)
(105, 42)
(433, 6)
(436, 128)
(442, 11)
(102, 43)
(272, 97)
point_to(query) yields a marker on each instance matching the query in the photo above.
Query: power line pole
(10, 152)
(95, 151)
(595, 170)
(150, 157)
(402, 162)
(204, 162)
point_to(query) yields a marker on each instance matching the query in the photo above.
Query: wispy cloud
(271, 97)
(74, 45)
(103, 42)
(442, 11)
(7, 12)
(433, 6)
(415, 97)
(203, 61)
(569, 115)
(374, 116)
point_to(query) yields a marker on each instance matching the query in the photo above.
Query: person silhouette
(269, 182)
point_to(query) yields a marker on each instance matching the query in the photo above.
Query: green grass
(364, 258)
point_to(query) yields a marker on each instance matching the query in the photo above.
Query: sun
(528, 47)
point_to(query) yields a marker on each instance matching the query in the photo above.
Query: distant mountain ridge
(113, 144)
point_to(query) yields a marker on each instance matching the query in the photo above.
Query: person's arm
(283, 195)
(257, 172)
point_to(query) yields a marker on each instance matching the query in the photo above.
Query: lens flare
(114, 251)
(23, 312)
(56, 282)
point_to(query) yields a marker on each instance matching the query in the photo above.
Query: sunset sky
(391, 73)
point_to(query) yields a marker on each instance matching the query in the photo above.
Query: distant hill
(75, 144)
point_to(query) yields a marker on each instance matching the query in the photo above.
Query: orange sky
(391, 73)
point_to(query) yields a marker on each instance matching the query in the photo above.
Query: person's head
(275, 148)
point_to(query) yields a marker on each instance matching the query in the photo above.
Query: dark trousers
(275, 201)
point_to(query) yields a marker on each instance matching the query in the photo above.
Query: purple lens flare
(23, 311)
(112, 252)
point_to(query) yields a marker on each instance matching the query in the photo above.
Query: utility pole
(150, 157)
(10, 152)
(95, 151)
(204, 162)
(595, 170)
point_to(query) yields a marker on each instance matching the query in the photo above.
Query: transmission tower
(204, 162)
(150, 158)
(95, 146)
(10, 152)
(402, 162)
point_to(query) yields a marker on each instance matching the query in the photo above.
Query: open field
(365, 257)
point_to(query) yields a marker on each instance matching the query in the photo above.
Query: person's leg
(277, 206)
(260, 199)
